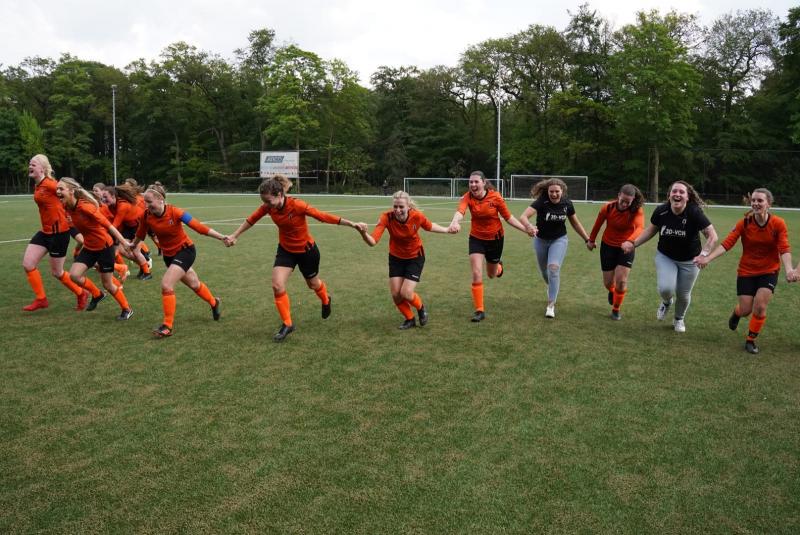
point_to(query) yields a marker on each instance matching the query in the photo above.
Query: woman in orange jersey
(485, 235)
(624, 219)
(765, 245)
(166, 221)
(98, 245)
(296, 247)
(53, 239)
(406, 255)
(552, 210)
(122, 202)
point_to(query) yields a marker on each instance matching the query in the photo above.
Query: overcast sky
(363, 33)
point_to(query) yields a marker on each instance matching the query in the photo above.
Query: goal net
(577, 186)
(428, 187)
(461, 185)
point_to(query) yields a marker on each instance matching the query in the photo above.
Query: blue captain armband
(186, 217)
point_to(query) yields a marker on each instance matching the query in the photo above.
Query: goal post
(577, 185)
(428, 187)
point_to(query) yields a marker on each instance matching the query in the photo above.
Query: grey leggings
(551, 253)
(676, 278)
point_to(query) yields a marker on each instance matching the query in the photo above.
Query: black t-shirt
(551, 219)
(678, 237)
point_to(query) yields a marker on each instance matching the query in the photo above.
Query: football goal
(577, 186)
(428, 187)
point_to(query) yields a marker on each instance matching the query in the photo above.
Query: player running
(296, 247)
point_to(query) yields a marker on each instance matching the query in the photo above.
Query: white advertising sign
(285, 163)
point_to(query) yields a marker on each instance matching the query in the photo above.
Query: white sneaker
(680, 326)
(662, 310)
(550, 312)
(149, 263)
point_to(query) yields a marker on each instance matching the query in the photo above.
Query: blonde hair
(279, 184)
(158, 189)
(540, 188)
(75, 187)
(42, 160)
(403, 195)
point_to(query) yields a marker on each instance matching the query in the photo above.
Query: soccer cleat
(408, 324)
(502, 269)
(142, 276)
(283, 332)
(326, 309)
(550, 311)
(679, 325)
(36, 305)
(423, 316)
(662, 310)
(479, 315)
(751, 347)
(148, 260)
(610, 298)
(162, 331)
(215, 312)
(615, 315)
(733, 321)
(95, 301)
(125, 314)
(83, 300)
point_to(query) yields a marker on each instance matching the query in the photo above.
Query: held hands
(590, 245)
(702, 261)
(531, 230)
(229, 241)
(361, 227)
(454, 228)
(793, 276)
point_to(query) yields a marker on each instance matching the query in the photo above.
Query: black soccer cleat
(95, 301)
(615, 315)
(125, 314)
(142, 276)
(733, 321)
(478, 316)
(283, 332)
(215, 312)
(326, 309)
(408, 324)
(423, 316)
(162, 331)
(751, 347)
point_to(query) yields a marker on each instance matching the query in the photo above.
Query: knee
(553, 269)
(28, 266)
(278, 289)
(759, 310)
(406, 295)
(621, 285)
(397, 298)
(166, 287)
(109, 285)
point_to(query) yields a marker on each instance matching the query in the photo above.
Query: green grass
(517, 424)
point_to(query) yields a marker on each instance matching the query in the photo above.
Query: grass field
(515, 425)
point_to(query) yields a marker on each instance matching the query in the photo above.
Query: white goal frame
(450, 185)
(577, 185)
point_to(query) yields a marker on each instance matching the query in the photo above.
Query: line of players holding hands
(113, 220)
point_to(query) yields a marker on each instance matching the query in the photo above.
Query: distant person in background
(52, 239)
(678, 223)
(486, 234)
(552, 210)
(624, 220)
(296, 247)
(765, 246)
(385, 187)
(166, 221)
(406, 254)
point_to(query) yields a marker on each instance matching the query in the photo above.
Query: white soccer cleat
(662, 310)
(680, 326)
(550, 312)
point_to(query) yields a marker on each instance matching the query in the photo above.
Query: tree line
(660, 99)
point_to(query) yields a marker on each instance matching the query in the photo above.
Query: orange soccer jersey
(86, 217)
(125, 214)
(486, 224)
(290, 219)
(761, 245)
(404, 240)
(621, 225)
(169, 229)
(51, 211)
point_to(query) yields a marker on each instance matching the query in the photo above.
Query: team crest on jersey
(683, 222)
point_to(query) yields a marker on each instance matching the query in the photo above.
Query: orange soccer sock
(618, 298)
(322, 293)
(205, 294)
(90, 287)
(416, 301)
(756, 324)
(119, 295)
(66, 281)
(284, 308)
(145, 267)
(117, 283)
(121, 268)
(169, 302)
(35, 280)
(477, 295)
(144, 248)
(405, 310)
(118, 259)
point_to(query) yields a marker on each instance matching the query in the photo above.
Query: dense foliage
(656, 100)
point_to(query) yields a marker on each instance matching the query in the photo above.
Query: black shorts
(611, 257)
(491, 249)
(408, 268)
(103, 258)
(73, 232)
(56, 244)
(129, 233)
(184, 258)
(308, 261)
(750, 285)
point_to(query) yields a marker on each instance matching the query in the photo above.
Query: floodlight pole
(497, 174)
(114, 126)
